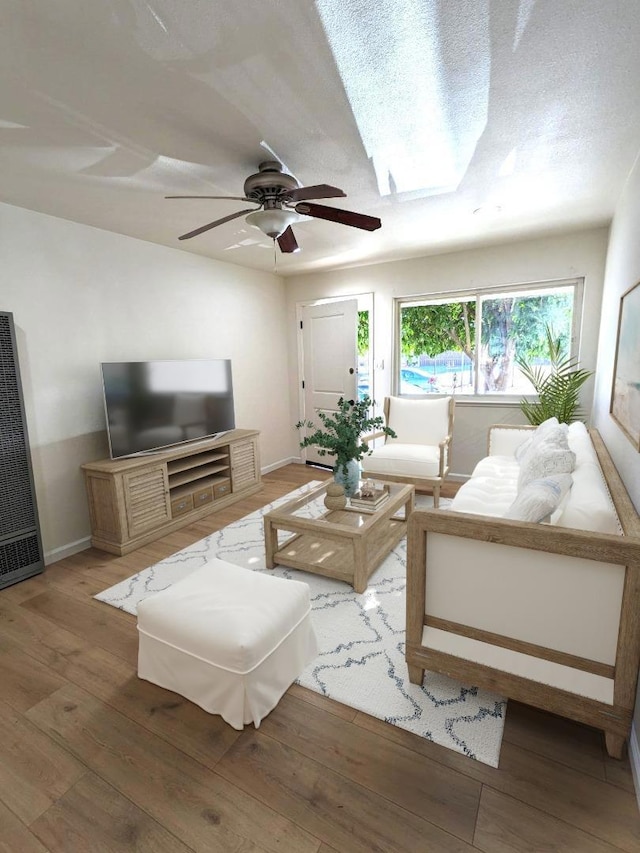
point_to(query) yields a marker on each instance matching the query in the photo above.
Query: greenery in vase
(558, 388)
(343, 432)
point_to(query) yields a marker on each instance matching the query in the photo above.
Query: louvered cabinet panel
(146, 499)
(245, 465)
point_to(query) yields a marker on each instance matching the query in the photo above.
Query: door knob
(351, 370)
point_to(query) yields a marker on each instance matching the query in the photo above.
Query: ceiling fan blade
(287, 241)
(344, 217)
(317, 191)
(210, 225)
(231, 197)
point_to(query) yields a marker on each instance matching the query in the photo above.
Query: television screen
(153, 404)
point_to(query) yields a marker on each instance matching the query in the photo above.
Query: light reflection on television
(155, 404)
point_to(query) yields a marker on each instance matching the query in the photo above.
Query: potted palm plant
(343, 436)
(558, 388)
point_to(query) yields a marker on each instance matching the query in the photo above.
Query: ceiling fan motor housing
(269, 182)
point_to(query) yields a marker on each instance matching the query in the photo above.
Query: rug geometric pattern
(361, 639)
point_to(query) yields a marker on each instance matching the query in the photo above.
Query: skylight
(416, 74)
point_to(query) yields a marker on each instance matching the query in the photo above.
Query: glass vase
(351, 481)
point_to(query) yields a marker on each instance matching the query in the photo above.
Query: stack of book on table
(371, 500)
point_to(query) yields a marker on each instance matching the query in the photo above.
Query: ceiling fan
(279, 198)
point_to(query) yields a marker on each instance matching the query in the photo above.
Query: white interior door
(329, 358)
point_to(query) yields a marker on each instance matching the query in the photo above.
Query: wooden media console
(134, 500)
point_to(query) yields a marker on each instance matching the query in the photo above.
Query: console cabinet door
(245, 464)
(146, 495)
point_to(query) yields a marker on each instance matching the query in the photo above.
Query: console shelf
(195, 461)
(133, 501)
(195, 474)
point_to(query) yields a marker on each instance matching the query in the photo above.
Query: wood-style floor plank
(324, 702)
(579, 747)
(600, 809)
(15, 837)
(191, 802)
(506, 825)
(205, 737)
(35, 771)
(618, 773)
(93, 816)
(84, 618)
(325, 802)
(25, 682)
(410, 781)
(89, 751)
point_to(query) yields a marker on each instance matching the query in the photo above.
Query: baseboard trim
(269, 468)
(67, 550)
(634, 761)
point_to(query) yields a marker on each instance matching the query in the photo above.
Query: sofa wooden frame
(422, 483)
(615, 720)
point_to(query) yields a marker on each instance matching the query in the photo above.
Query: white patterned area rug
(361, 638)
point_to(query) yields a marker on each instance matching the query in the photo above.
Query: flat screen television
(155, 404)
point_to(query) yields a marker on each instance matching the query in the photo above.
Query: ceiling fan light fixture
(274, 222)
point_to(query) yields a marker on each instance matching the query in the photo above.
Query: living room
(81, 295)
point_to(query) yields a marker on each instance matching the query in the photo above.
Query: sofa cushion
(424, 422)
(484, 496)
(502, 467)
(539, 498)
(491, 488)
(404, 460)
(589, 505)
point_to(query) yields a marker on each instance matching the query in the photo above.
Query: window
(364, 355)
(470, 345)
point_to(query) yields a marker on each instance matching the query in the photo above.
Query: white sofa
(546, 612)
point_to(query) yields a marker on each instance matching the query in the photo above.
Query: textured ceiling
(422, 111)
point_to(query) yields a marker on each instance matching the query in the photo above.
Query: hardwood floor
(92, 759)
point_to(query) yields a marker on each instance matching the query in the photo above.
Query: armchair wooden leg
(416, 674)
(615, 744)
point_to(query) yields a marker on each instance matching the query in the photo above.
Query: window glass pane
(443, 345)
(437, 348)
(364, 356)
(514, 325)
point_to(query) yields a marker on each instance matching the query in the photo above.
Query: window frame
(477, 295)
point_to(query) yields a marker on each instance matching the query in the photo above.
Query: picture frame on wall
(625, 391)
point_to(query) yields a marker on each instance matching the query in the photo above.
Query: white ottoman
(229, 639)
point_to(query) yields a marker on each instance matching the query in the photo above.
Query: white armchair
(420, 453)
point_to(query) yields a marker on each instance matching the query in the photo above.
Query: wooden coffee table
(345, 544)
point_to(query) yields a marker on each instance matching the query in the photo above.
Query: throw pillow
(545, 460)
(539, 498)
(550, 429)
(522, 449)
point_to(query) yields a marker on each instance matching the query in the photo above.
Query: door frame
(365, 303)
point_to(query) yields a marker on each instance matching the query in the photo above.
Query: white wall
(565, 256)
(81, 296)
(622, 272)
